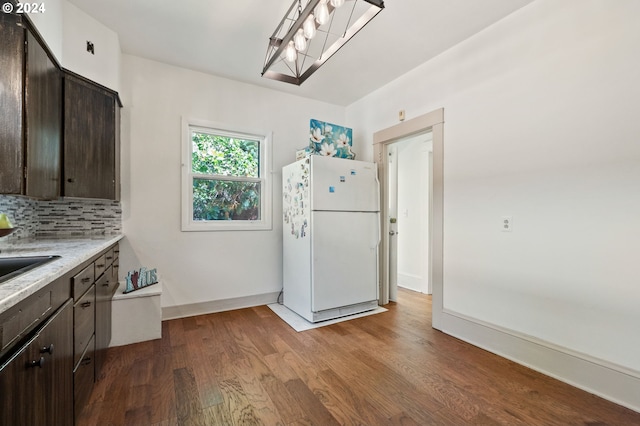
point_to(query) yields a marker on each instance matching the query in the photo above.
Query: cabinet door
(11, 78)
(89, 140)
(36, 382)
(105, 287)
(43, 106)
(84, 314)
(55, 344)
(22, 380)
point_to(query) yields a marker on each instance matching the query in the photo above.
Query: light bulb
(290, 53)
(309, 27)
(337, 3)
(322, 12)
(299, 41)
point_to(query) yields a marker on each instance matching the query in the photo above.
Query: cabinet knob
(47, 349)
(86, 361)
(85, 304)
(71, 180)
(38, 363)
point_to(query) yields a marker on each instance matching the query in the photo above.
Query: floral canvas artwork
(330, 140)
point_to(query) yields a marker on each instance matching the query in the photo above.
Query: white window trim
(266, 199)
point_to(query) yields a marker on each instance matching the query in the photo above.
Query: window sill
(226, 226)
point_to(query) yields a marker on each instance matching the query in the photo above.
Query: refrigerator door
(345, 252)
(296, 241)
(344, 185)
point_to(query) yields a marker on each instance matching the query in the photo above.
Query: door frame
(433, 121)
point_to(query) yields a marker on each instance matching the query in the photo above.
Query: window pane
(225, 200)
(222, 155)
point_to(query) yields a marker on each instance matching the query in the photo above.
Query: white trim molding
(213, 306)
(607, 380)
(265, 179)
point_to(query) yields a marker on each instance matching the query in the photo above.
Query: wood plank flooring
(248, 367)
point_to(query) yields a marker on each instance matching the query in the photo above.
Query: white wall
(49, 25)
(413, 213)
(540, 124)
(66, 30)
(201, 267)
(103, 67)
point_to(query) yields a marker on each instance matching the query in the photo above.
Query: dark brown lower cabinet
(52, 349)
(84, 375)
(105, 287)
(93, 286)
(36, 381)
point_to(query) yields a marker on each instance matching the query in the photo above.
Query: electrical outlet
(506, 223)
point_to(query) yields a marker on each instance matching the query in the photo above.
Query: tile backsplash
(64, 217)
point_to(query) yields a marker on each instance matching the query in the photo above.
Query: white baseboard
(615, 383)
(411, 281)
(201, 308)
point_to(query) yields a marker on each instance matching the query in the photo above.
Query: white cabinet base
(136, 316)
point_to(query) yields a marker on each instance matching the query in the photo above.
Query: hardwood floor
(248, 367)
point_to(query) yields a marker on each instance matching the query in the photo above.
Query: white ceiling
(229, 38)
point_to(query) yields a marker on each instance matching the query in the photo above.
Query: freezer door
(339, 184)
(344, 266)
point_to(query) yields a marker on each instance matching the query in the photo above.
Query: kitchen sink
(11, 267)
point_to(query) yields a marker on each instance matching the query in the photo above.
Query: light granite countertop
(72, 252)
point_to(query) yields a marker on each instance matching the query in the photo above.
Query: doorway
(431, 123)
(409, 188)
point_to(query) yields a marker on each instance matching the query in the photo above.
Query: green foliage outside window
(221, 199)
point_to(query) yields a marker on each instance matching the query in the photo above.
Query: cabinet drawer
(83, 378)
(106, 285)
(83, 322)
(21, 319)
(116, 264)
(109, 258)
(12, 328)
(81, 282)
(100, 265)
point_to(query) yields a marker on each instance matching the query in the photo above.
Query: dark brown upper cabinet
(11, 81)
(91, 139)
(31, 121)
(43, 105)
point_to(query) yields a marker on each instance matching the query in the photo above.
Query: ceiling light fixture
(307, 37)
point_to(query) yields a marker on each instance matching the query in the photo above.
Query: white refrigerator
(331, 233)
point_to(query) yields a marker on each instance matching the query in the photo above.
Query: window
(225, 178)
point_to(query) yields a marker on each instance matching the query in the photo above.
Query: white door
(413, 193)
(408, 205)
(344, 250)
(392, 162)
